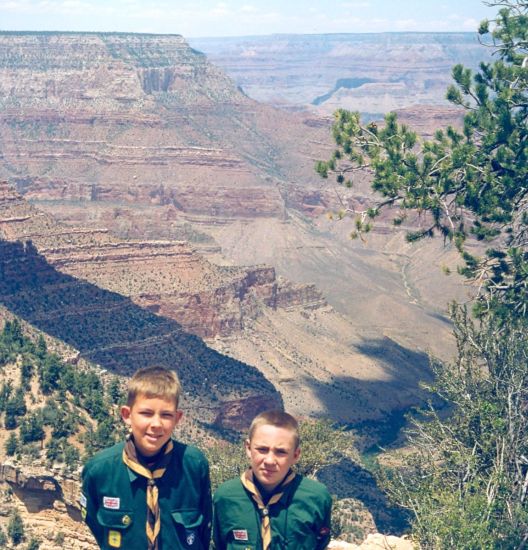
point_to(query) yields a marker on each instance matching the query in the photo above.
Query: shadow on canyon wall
(405, 369)
(380, 398)
(109, 329)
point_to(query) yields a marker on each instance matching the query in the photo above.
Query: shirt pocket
(115, 524)
(187, 522)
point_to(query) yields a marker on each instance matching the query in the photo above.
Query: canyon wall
(369, 72)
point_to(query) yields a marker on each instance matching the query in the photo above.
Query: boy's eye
(167, 415)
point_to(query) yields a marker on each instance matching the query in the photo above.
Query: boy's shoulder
(230, 488)
(313, 487)
(189, 453)
(103, 460)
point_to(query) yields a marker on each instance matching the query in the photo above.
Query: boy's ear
(296, 455)
(247, 446)
(125, 414)
(179, 415)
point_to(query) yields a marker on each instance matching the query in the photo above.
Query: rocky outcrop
(30, 482)
(291, 295)
(130, 66)
(86, 288)
(48, 505)
(237, 414)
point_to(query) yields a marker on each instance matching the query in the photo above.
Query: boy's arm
(89, 506)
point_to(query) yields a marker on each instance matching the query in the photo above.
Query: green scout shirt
(300, 520)
(113, 501)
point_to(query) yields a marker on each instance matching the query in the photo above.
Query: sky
(201, 18)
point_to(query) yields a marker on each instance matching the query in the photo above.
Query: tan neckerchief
(265, 526)
(130, 458)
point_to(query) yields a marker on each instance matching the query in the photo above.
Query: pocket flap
(115, 519)
(190, 518)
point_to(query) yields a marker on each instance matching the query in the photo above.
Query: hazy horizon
(235, 18)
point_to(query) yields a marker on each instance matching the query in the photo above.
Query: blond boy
(270, 507)
(149, 492)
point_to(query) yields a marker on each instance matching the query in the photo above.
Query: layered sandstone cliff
(141, 119)
(183, 154)
(166, 277)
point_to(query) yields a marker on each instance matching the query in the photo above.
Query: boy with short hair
(270, 507)
(149, 492)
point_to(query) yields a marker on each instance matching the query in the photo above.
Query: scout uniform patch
(191, 537)
(114, 539)
(240, 534)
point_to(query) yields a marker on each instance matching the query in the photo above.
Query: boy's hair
(279, 419)
(154, 382)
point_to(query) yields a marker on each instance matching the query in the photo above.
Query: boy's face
(152, 420)
(271, 453)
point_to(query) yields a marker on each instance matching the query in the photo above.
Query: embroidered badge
(240, 534)
(112, 503)
(114, 539)
(83, 501)
(191, 537)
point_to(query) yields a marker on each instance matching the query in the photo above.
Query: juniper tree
(15, 528)
(11, 444)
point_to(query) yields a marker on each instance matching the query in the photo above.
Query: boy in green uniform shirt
(270, 507)
(149, 492)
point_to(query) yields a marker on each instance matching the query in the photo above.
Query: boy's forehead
(273, 435)
(158, 401)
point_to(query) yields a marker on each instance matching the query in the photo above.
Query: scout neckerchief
(265, 526)
(155, 471)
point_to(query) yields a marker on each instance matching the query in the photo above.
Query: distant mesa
(347, 83)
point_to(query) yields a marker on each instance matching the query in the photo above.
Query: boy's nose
(155, 421)
(269, 459)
